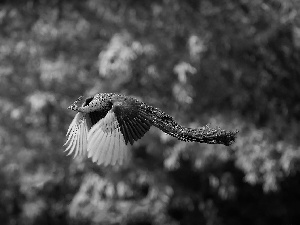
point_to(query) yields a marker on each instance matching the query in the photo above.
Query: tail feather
(203, 134)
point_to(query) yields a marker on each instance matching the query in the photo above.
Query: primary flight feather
(107, 122)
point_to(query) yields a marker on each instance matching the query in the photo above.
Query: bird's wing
(133, 121)
(106, 144)
(77, 135)
(124, 123)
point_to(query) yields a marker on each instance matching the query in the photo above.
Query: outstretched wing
(106, 144)
(133, 121)
(124, 123)
(77, 135)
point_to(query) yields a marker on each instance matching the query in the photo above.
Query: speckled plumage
(107, 122)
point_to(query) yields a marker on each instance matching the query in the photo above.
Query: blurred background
(233, 64)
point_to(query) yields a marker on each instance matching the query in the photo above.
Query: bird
(106, 123)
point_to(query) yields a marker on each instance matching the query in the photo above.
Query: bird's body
(107, 122)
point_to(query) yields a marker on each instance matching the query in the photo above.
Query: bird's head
(74, 106)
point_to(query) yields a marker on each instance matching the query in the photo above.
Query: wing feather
(73, 144)
(128, 133)
(80, 143)
(77, 144)
(103, 147)
(115, 146)
(141, 128)
(92, 139)
(125, 156)
(84, 141)
(144, 121)
(134, 122)
(77, 135)
(130, 130)
(109, 151)
(135, 129)
(100, 149)
(124, 132)
(106, 143)
(120, 144)
(95, 136)
(99, 142)
(105, 156)
(79, 147)
(112, 144)
(114, 150)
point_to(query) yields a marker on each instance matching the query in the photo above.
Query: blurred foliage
(233, 64)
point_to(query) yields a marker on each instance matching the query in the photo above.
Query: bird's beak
(74, 106)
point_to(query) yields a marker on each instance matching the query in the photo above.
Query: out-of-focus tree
(229, 63)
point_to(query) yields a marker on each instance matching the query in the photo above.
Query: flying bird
(106, 123)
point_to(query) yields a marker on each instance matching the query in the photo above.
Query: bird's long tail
(204, 134)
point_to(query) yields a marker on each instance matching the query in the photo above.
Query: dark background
(233, 64)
